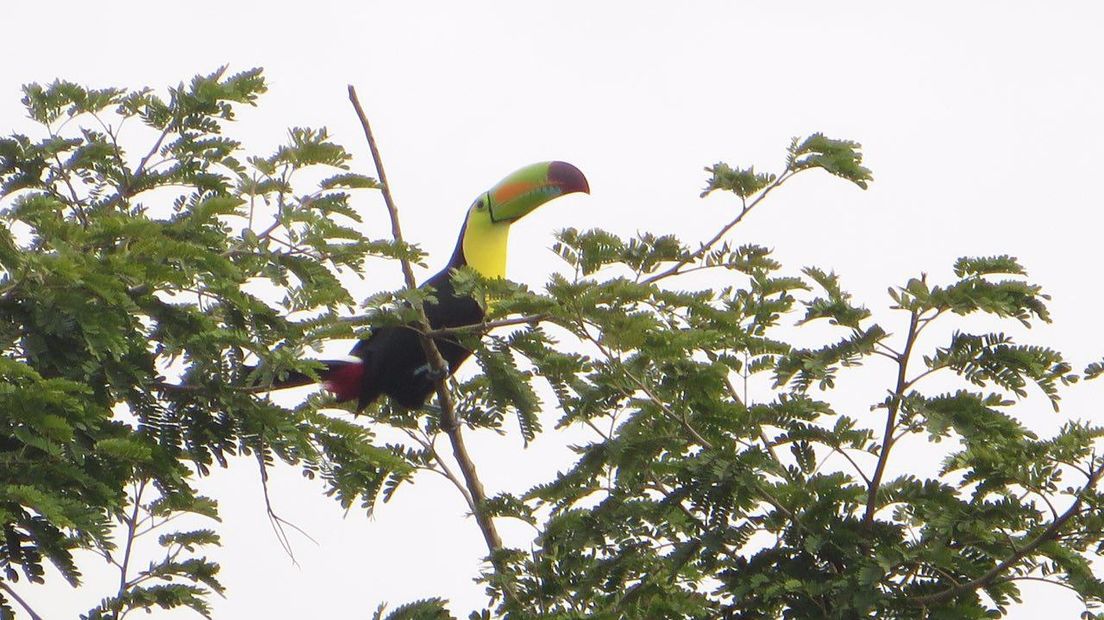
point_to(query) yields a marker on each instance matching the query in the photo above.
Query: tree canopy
(153, 274)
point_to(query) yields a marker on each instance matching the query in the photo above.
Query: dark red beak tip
(568, 177)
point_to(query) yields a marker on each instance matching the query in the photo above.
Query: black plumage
(394, 362)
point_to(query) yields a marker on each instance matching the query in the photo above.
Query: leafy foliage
(723, 482)
(838, 157)
(177, 580)
(127, 265)
(743, 182)
(723, 478)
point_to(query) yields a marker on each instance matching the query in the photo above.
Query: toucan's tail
(345, 378)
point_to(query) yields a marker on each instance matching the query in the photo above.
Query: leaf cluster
(147, 264)
(724, 481)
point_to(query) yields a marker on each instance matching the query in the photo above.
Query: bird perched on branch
(391, 359)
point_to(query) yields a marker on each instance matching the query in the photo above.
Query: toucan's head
(483, 241)
(526, 189)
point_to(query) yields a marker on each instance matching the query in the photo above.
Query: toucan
(391, 360)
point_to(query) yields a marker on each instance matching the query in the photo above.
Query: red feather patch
(345, 381)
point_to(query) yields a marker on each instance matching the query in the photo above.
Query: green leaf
(189, 540)
(744, 182)
(349, 180)
(309, 147)
(426, 609)
(125, 449)
(1002, 264)
(842, 158)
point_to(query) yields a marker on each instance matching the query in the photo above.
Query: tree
(722, 481)
(120, 270)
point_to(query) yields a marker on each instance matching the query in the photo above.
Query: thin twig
(156, 147)
(132, 526)
(276, 521)
(643, 387)
(115, 146)
(1052, 582)
(77, 205)
(762, 433)
(181, 388)
(450, 422)
(486, 326)
(159, 524)
(700, 252)
(127, 189)
(264, 234)
(445, 470)
(19, 599)
(858, 470)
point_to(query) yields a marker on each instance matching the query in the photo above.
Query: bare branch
(276, 521)
(450, 422)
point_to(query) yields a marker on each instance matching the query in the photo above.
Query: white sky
(981, 122)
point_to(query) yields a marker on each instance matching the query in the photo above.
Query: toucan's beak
(528, 188)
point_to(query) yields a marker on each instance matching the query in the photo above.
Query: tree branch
(767, 444)
(700, 252)
(1050, 533)
(18, 599)
(141, 169)
(485, 326)
(132, 526)
(78, 207)
(450, 422)
(446, 471)
(643, 387)
(891, 423)
(276, 521)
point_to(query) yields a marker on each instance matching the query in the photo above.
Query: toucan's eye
(482, 203)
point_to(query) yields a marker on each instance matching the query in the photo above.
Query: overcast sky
(981, 121)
